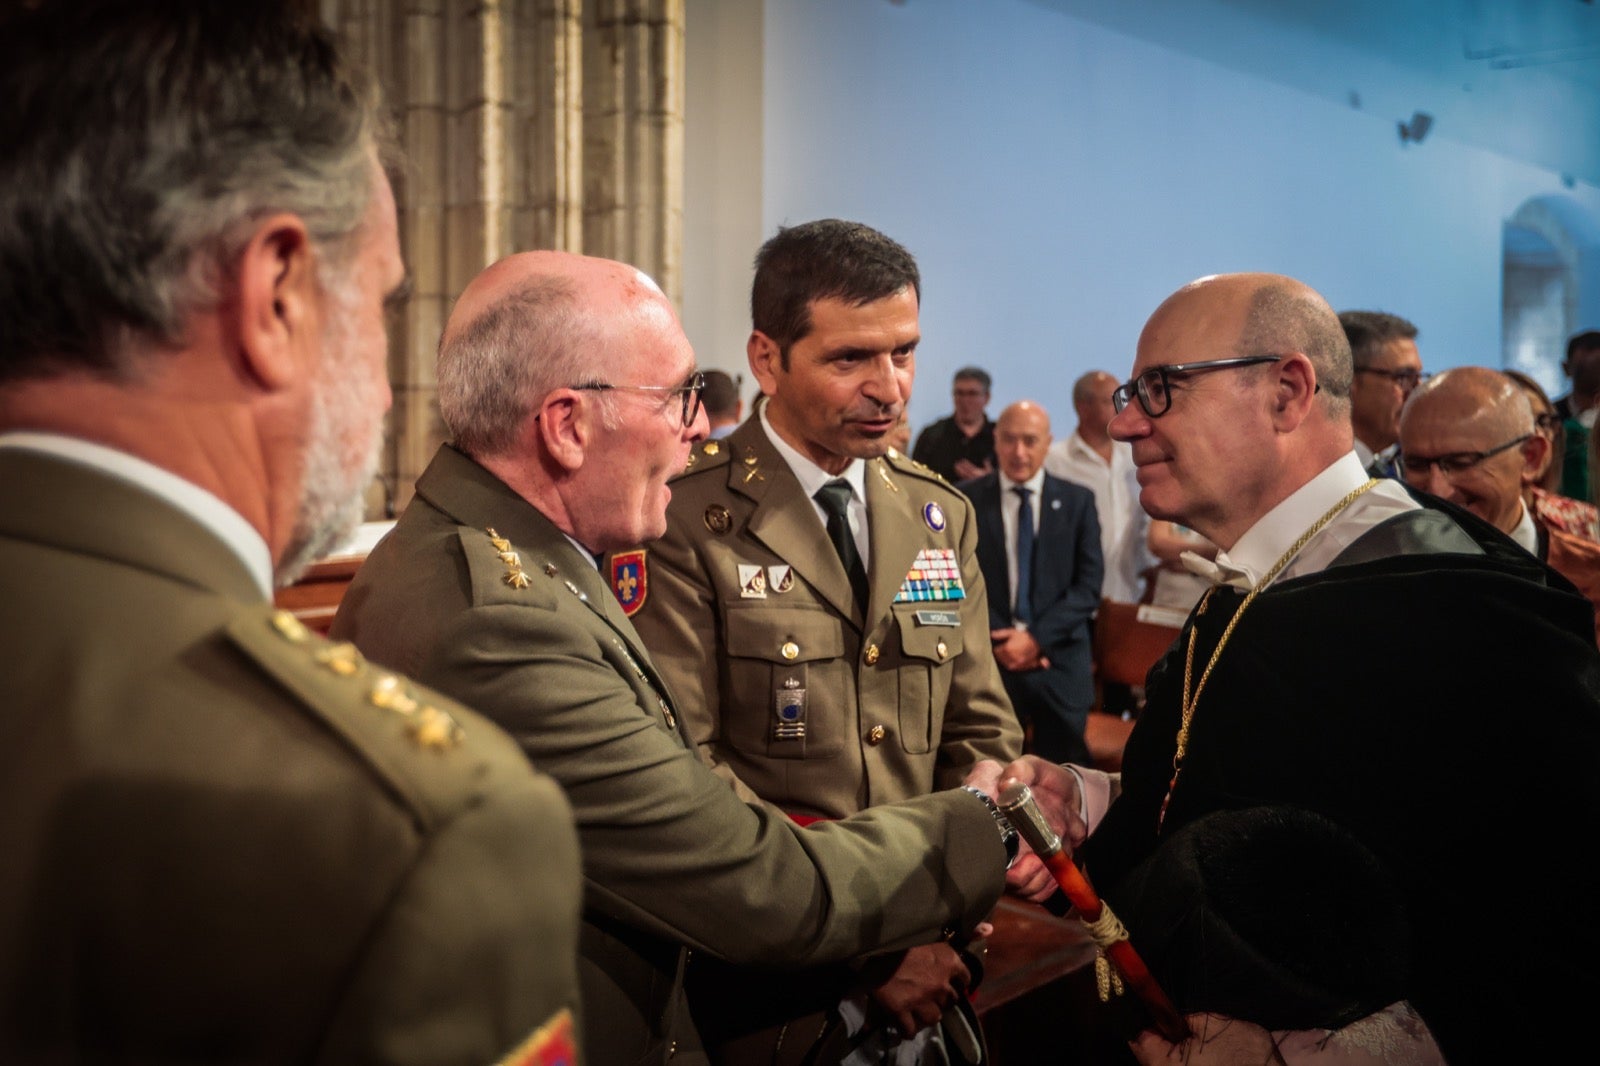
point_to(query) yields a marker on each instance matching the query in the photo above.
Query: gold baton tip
(1017, 804)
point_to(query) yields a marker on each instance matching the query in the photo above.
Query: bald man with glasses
(1238, 413)
(1469, 436)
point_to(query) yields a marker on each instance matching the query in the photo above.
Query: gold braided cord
(1189, 701)
(1106, 929)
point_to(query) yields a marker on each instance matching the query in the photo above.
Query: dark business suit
(529, 633)
(1067, 568)
(226, 840)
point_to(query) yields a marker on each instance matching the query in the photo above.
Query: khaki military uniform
(229, 841)
(518, 623)
(784, 682)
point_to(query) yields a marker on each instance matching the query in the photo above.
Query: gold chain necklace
(1190, 700)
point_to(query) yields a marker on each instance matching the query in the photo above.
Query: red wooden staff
(1016, 801)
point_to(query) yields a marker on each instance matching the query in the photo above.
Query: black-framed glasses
(690, 392)
(1154, 386)
(1406, 379)
(1455, 463)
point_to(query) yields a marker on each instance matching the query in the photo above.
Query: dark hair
(722, 393)
(1369, 331)
(1582, 342)
(144, 138)
(972, 373)
(828, 258)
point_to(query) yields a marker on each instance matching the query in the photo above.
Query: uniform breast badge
(935, 575)
(717, 519)
(752, 582)
(933, 514)
(789, 710)
(630, 580)
(780, 578)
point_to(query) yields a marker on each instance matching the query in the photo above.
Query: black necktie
(835, 499)
(1023, 611)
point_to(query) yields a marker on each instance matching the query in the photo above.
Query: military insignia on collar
(711, 447)
(936, 575)
(883, 475)
(780, 578)
(630, 580)
(750, 470)
(933, 514)
(752, 582)
(717, 519)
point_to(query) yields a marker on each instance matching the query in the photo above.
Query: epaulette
(707, 455)
(907, 465)
(503, 573)
(413, 737)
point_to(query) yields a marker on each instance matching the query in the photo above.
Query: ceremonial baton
(1020, 809)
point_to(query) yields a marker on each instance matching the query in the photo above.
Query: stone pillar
(489, 101)
(633, 136)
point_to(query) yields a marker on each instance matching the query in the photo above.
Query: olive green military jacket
(226, 840)
(518, 623)
(784, 682)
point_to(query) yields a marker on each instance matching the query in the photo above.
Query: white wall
(1056, 180)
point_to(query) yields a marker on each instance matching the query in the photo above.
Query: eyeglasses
(1154, 386)
(1413, 468)
(1548, 421)
(690, 393)
(1406, 379)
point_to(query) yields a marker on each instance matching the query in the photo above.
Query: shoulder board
(904, 464)
(432, 752)
(707, 455)
(501, 573)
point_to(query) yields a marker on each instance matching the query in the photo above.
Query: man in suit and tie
(1039, 549)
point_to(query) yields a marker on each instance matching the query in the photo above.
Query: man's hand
(967, 469)
(1055, 790)
(923, 987)
(1016, 649)
(985, 777)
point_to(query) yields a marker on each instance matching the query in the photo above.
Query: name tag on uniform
(939, 618)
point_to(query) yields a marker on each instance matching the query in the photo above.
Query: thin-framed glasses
(1453, 464)
(1154, 387)
(1406, 379)
(690, 392)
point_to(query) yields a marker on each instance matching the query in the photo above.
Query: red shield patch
(551, 1045)
(629, 580)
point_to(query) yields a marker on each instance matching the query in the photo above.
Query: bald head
(1091, 402)
(1021, 439)
(530, 323)
(1480, 424)
(1230, 442)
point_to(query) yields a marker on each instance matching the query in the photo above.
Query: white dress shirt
(1124, 526)
(812, 477)
(228, 525)
(1526, 533)
(1010, 506)
(1264, 543)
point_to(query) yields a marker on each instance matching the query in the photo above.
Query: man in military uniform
(571, 396)
(227, 840)
(826, 661)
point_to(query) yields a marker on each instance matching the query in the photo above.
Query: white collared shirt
(812, 477)
(228, 525)
(1526, 533)
(1010, 505)
(1264, 543)
(1124, 526)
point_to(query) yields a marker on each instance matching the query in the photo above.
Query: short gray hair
(145, 143)
(495, 369)
(1283, 318)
